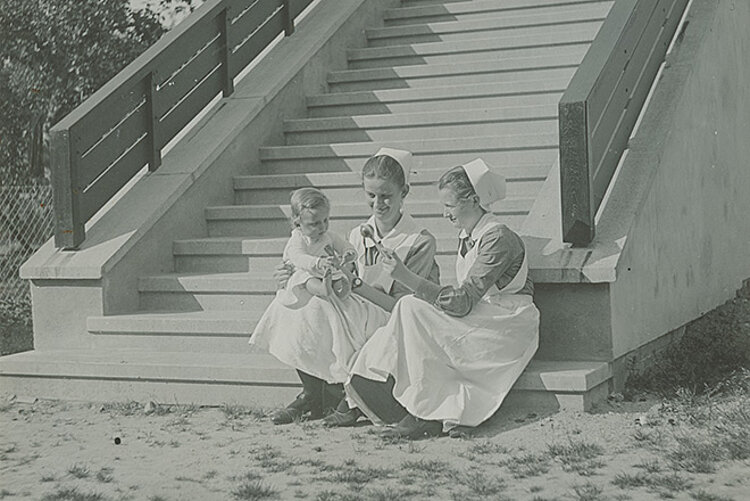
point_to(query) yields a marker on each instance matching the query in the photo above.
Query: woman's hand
(282, 273)
(393, 264)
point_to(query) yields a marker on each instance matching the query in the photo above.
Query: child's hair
(384, 167)
(307, 198)
(458, 181)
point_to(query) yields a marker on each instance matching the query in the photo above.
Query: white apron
(455, 370)
(321, 336)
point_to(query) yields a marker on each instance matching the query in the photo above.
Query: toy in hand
(367, 231)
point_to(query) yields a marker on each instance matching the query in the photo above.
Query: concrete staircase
(449, 81)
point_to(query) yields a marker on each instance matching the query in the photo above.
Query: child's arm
(296, 253)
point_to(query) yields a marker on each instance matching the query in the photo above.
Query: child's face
(385, 198)
(313, 222)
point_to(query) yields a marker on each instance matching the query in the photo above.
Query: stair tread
(416, 146)
(489, 65)
(554, 15)
(472, 7)
(429, 118)
(353, 179)
(247, 367)
(384, 96)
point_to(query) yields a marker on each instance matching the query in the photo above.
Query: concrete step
(273, 220)
(248, 291)
(345, 187)
(261, 255)
(420, 126)
(499, 151)
(493, 70)
(251, 379)
(481, 26)
(560, 40)
(478, 9)
(450, 98)
(212, 331)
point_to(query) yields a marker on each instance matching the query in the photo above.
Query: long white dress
(322, 336)
(457, 370)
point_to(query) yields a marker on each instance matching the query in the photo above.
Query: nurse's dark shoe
(297, 409)
(342, 419)
(413, 428)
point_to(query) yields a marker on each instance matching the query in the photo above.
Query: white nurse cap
(489, 186)
(403, 157)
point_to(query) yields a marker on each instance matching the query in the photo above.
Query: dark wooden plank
(134, 73)
(176, 56)
(189, 76)
(99, 193)
(602, 130)
(577, 213)
(621, 57)
(249, 21)
(298, 6)
(600, 51)
(91, 128)
(99, 158)
(603, 172)
(66, 196)
(187, 109)
(246, 52)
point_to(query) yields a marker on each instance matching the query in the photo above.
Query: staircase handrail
(600, 107)
(99, 146)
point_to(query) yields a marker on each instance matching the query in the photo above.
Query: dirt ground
(53, 450)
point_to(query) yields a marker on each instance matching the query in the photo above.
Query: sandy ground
(81, 451)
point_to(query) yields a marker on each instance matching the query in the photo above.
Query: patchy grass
(588, 492)
(234, 412)
(479, 482)
(254, 490)
(73, 494)
(578, 456)
(104, 475)
(527, 465)
(427, 468)
(79, 470)
(358, 475)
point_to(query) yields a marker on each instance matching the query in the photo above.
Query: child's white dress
(290, 311)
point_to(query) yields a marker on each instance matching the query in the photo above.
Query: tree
(54, 54)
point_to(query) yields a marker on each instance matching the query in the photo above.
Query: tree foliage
(54, 54)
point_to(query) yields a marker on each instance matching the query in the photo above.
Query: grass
(666, 485)
(254, 490)
(588, 492)
(527, 465)
(79, 470)
(578, 456)
(104, 475)
(358, 475)
(233, 412)
(72, 494)
(479, 482)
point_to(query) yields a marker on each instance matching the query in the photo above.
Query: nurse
(448, 356)
(323, 336)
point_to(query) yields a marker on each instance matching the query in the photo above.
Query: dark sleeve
(499, 250)
(421, 260)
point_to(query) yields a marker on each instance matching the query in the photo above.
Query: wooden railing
(122, 127)
(602, 102)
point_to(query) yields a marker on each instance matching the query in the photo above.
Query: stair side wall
(135, 237)
(688, 249)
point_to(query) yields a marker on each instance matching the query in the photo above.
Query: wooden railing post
(69, 225)
(226, 41)
(575, 181)
(288, 17)
(153, 123)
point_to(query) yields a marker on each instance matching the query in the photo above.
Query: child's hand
(327, 282)
(282, 273)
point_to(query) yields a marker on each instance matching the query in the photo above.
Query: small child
(316, 253)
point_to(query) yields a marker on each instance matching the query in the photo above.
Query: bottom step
(248, 379)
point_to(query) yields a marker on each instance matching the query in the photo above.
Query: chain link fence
(26, 222)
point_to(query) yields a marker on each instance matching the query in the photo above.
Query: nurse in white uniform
(448, 356)
(321, 338)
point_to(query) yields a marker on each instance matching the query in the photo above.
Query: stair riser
(353, 193)
(176, 342)
(441, 160)
(498, 32)
(447, 104)
(186, 301)
(499, 12)
(466, 56)
(276, 228)
(464, 79)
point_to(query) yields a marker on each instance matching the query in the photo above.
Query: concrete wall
(688, 248)
(135, 237)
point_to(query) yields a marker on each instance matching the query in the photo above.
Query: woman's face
(461, 212)
(385, 199)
